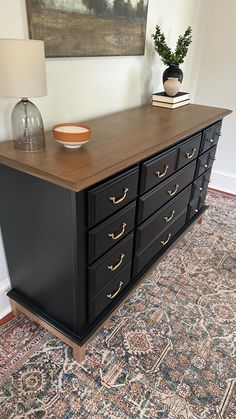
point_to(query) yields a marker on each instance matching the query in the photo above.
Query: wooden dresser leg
(14, 308)
(78, 353)
(200, 220)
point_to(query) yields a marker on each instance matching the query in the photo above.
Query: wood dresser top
(118, 141)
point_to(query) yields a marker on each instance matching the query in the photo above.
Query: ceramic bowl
(71, 135)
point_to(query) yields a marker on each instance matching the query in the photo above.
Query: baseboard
(222, 181)
(5, 307)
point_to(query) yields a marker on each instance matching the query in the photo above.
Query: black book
(162, 97)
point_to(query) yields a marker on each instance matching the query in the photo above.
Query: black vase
(173, 71)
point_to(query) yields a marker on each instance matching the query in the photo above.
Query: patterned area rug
(169, 352)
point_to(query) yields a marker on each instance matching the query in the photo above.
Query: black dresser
(80, 228)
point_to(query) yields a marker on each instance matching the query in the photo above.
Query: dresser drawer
(195, 205)
(111, 196)
(110, 293)
(157, 169)
(205, 161)
(110, 232)
(210, 136)
(107, 267)
(162, 219)
(189, 150)
(162, 241)
(157, 197)
(200, 185)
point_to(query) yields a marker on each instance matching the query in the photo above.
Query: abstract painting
(80, 28)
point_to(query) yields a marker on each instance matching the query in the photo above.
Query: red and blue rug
(169, 352)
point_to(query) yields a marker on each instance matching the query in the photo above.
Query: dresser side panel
(36, 219)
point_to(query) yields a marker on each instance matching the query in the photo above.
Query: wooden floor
(7, 318)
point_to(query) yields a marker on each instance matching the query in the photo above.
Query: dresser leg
(200, 220)
(14, 309)
(78, 353)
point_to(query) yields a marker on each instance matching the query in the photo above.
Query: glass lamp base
(27, 127)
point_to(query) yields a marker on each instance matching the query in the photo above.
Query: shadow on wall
(150, 73)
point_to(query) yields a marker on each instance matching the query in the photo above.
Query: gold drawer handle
(174, 191)
(200, 189)
(118, 200)
(167, 240)
(205, 166)
(210, 140)
(167, 219)
(111, 296)
(115, 237)
(189, 156)
(114, 267)
(196, 210)
(159, 174)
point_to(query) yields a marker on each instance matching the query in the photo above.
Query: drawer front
(195, 205)
(111, 232)
(157, 169)
(162, 241)
(110, 293)
(200, 185)
(107, 267)
(161, 220)
(159, 196)
(205, 161)
(210, 136)
(189, 150)
(111, 196)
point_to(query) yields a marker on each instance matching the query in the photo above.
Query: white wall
(217, 85)
(82, 88)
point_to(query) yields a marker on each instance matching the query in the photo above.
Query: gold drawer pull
(118, 200)
(115, 237)
(159, 174)
(111, 296)
(189, 156)
(114, 267)
(205, 166)
(167, 219)
(210, 140)
(200, 189)
(167, 240)
(174, 191)
(196, 210)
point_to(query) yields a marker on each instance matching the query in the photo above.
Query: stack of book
(163, 101)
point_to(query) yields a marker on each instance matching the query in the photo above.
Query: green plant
(167, 55)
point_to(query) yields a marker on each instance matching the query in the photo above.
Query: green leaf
(167, 56)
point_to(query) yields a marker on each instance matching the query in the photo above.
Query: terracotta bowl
(71, 135)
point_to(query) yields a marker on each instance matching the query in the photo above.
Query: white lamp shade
(22, 68)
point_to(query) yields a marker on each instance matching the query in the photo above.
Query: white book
(170, 105)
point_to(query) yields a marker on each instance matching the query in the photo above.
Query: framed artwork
(85, 28)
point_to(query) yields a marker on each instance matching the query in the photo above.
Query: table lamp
(23, 75)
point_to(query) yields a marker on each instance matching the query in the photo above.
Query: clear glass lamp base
(27, 127)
